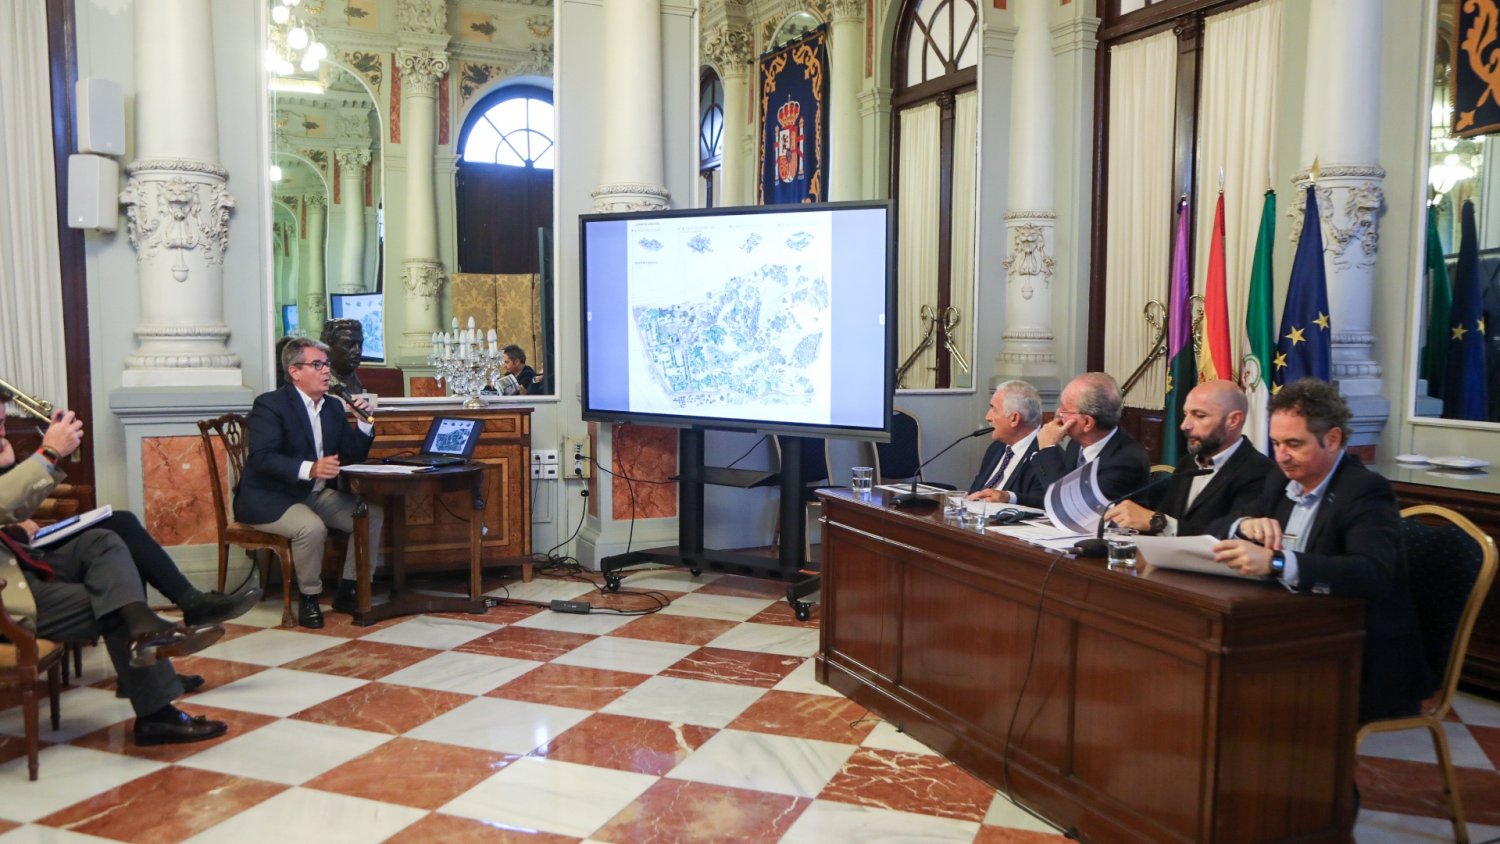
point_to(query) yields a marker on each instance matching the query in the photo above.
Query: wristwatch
(1158, 523)
(1278, 564)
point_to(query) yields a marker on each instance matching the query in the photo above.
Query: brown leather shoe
(176, 727)
(179, 641)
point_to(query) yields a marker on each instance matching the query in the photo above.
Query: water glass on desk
(955, 504)
(1122, 548)
(862, 480)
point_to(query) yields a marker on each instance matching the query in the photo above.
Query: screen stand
(788, 564)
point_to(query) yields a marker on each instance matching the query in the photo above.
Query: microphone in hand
(343, 392)
(911, 498)
(1097, 547)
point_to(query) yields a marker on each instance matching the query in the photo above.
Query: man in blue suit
(298, 442)
(1006, 474)
(1088, 415)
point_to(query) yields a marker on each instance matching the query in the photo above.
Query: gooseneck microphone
(343, 392)
(911, 498)
(1097, 547)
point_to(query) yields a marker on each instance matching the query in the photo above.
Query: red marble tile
(526, 643)
(169, 805)
(781, 613)
(501, 614)
(819, 717)
(627, 744)
(744, 668)
(7, 826)
(1488, 738)
(634, 601)
(234, 631)
(679, 812)
(570, 685)
(421, 385)
(909, 782)
(423, 774)
(681, 629)
(739, 586)
(383, 708)
(1006, 835)
(120, 737)
(1416, 788)
(365, 660)
(648, 456)
(216, 673)
(342, 624)
(179, 501)
(451, 830)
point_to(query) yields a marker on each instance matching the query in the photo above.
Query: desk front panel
(1162, 707)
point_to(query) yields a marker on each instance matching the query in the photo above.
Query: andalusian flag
(1440, 303)
(1181, 377)
(1216, 365)
(1260, 336)
(1304, 346)
(1464, 393)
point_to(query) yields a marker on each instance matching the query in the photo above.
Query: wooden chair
(1450, 568)
(1161, 470)
(23, 659)
(229, 429)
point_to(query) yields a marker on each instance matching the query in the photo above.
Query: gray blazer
(22, 490)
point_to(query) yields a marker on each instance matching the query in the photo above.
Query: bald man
(1213, 418)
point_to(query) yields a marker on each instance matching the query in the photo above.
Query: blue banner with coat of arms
(794, 117)
(1476, 68)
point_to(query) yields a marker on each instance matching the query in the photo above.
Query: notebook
(450, 440)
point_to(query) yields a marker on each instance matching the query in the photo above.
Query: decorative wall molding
(999, 40)
(730, 49)
(1349, 203)
(1075, 34)
(420, 70)
(181, 165)
(1030, 215)
(630, 197)
(424, 278)
(429, 17)
(352, 159)
(167, 210)
(840, 10)
(1028, 256)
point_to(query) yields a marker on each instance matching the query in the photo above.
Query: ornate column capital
(999, 40)
(427, 17)
(352, 128)
(729, 49)
(610, 199)
(316, 201)
(179, 205)
(352, 159)
(424, 279)
(1349, 201)
(1076, 34)
(421, 68)
(842, 10)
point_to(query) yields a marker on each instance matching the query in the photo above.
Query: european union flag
(1304, 345)
(1464, 395)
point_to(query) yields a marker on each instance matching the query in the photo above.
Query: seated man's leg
(307, 532)
(337, 509)
(158, 569)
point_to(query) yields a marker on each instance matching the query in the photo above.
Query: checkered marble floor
(702, 722)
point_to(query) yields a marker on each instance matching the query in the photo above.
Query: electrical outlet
(576, 459)
(536, 470)
(549, 472)
(548, 456)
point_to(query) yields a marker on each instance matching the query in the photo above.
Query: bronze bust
(345, 339)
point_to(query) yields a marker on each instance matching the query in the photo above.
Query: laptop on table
(450, 441)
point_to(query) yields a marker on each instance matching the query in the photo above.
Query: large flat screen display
(777, 318)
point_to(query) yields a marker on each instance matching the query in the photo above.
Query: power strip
(578, 607)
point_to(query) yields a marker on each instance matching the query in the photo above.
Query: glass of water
(955, 503)
(1122, 548)
(862, 480)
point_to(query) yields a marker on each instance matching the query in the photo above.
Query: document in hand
(58, 531)
(1184, 553)
(1075, 503)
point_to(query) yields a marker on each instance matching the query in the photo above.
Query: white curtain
(1141, 206)
(31, 345)
(1237, 131)
(965, 188)
(917, 237)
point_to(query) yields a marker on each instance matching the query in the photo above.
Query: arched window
(710, 133)
(512, 127)
(934, 154)
(504, 181)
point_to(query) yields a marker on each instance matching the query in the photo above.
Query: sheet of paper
(1075, 502)
(922, 489)
(384, 469)
(990, 508)
(70, 526)
(1184, 553)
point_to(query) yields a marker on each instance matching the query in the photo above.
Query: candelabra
(465, 361)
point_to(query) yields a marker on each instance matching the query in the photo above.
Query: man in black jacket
(1212, 419)
(298, 442)
(1328, 526)
(1006, 474)
(1088, 414)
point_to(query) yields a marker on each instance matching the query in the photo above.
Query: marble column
(847, 55)
(422, 270)
(630, 165)
(312, 308)
(1031, 217)
(875, 118)
(729, 51)
(1341, 133)
(178, 204)
(352, 164)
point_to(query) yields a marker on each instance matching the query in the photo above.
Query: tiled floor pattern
(701, 723)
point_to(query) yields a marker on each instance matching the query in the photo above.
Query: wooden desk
(1160, 707)
(395, 489)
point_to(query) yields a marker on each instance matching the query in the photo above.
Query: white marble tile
(826, 821)
(452, 671)
(557, 797)
(667, 580)
(1389, 828)
(66, 775)
(721, 607)
(543, 590)
(685, 701)
(428, 631)
(267, 613)
(272, 647)
(306, 816)
(781, 764)
(278, 691)
(1004, 812)
(1476, 710)
(780, 639)
(507, 726)
(288, 751)
(592, 624)
(614, 653)
(1416, 746)
(84, 710)
(31, 834)
(804, 680)
(885, 736)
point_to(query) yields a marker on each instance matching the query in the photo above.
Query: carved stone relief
(167, 211)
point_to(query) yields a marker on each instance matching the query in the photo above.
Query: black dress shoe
(190, 683)
(216, 607)
(347, 598)
(309, 614)
(173, 726)
(179, 641)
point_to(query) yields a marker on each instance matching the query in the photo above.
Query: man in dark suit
(1212, 419)
(1326, 525)
(293, 464)
(1088, 415)
(1005, 475)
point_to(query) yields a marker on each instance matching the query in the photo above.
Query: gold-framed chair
(24, 658)
(230, 430)
(1161, 469)
(1451, 567)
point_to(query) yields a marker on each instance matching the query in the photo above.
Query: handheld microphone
(1097, 547)
(343, 392)
(912, 497)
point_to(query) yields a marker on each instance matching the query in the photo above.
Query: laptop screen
(453, 436)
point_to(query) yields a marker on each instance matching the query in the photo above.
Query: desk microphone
(912, 497)
(1097, 547)
(343, 392)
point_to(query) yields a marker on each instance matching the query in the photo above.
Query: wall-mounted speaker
(93, 192)
(101, 116)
